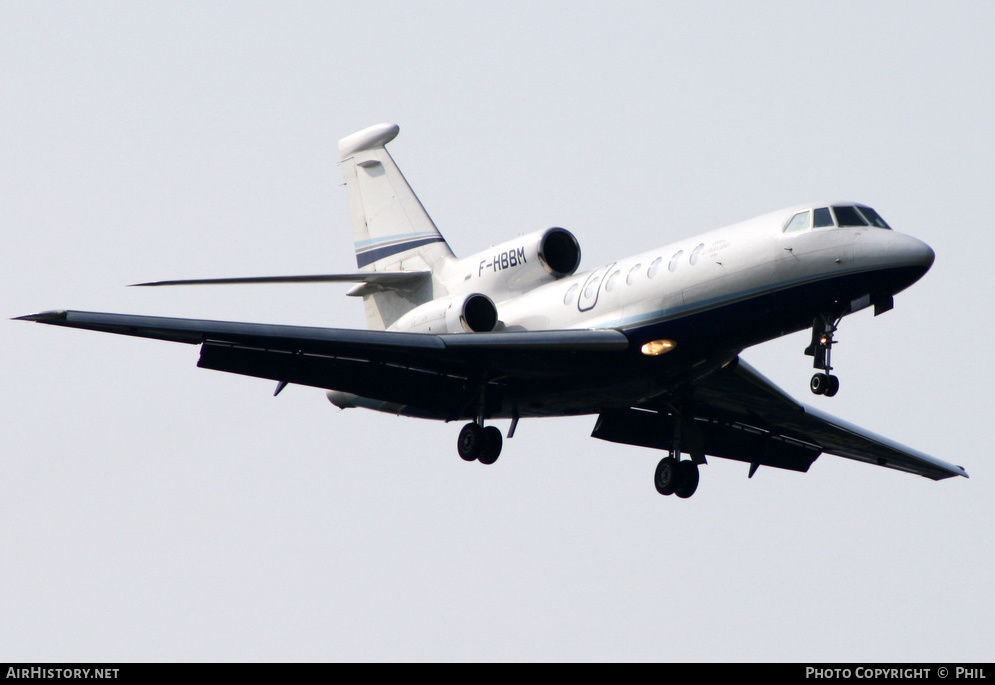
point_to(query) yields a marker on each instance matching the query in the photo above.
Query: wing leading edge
(279, 336)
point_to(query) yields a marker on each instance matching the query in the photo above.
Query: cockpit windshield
(839, 215)
(873, 217)
(848, 216)
(823, 218)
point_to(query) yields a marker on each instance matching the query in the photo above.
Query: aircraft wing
(420, 369)
(739, 414)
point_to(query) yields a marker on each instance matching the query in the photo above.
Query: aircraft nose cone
(908, 251)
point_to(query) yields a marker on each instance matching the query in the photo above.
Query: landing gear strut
(821, 349)
(477, 442)
(676, 477)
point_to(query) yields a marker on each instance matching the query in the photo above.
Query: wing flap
(433, 392)
(727, 440)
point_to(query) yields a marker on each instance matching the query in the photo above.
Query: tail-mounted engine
(473, 313)
(523, 263)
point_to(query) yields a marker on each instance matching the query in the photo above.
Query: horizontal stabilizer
(394, 280)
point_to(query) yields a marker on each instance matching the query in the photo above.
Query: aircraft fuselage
(753, 262)
(710, 296)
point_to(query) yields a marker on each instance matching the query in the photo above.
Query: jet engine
(523, 263)
(473, 313)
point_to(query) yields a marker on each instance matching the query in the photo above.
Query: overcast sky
(150, 510)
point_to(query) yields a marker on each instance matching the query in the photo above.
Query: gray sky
(150, 510)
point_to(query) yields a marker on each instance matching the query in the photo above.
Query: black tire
(665, 478)
(832, 386)
(819, 383)
(687, 479)
(491, 447)
(470, 442)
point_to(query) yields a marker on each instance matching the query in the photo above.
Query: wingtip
(44, 317)
(952, 471)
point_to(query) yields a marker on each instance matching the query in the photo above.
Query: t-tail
(392, 232)
(408, 277)
(400, 253)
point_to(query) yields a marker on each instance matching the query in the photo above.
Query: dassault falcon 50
(649, 344)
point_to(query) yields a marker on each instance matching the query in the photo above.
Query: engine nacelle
(473, 313)
(522, 263)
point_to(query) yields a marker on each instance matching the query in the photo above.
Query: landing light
(657, 347)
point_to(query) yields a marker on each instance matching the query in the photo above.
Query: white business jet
(650, 344)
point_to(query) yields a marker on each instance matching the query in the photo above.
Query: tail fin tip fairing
(367, 139)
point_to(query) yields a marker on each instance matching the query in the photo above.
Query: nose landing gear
(821, 349)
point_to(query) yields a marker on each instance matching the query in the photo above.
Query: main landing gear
(477, 443)
(674, 477)
(821, 348)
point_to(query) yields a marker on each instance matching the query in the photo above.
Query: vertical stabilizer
(391, 229)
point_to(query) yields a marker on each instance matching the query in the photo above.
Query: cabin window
(822, 218)
(633, 272)
(848, 216)
(612, 280)
(654, 267)
(675, 260)
(799, 222)
(571, 293)
(696, 253)
(592, 287)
